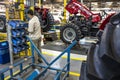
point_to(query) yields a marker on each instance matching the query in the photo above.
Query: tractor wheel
(69, 33)
(46, 23)
(2, 24)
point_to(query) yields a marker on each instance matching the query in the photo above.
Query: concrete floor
(55, 48)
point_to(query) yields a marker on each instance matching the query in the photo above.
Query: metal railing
(65, 69)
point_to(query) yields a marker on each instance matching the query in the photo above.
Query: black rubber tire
(103, 60)
(3, 19)
(48, 23)
(72, 26)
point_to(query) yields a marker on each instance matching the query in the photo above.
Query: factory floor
(52, 49)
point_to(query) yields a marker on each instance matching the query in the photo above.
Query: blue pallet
(4, 52)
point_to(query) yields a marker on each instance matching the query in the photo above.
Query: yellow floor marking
(72, 58)
(74, 74)
(16, 72)
(71, 73)
(46, 53)
(6, 78)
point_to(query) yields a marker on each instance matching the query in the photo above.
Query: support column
(65, 3)
(39, 3)
(22, 10)
(32, 4)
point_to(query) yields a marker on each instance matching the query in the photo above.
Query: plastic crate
(16, 41)
(16, 49)
(16, 33)
(4, 52)
(14, 24)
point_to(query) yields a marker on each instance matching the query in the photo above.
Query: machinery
(103, 60)
(79, 26)
(2, 18)
(10, 11)
(45, 17)
(60, 73)
(14, 12)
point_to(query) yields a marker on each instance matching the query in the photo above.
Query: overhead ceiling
(101, 0)
(88, 0)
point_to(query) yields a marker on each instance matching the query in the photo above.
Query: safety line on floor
(74, 74)
(72, 58)
(16, 72)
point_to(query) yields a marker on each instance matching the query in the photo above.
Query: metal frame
(65, 69)
(10, 43)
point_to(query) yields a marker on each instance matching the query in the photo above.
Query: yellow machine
(15, 10)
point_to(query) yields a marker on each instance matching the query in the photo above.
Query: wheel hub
(69, 34)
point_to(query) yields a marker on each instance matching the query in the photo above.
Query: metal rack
(14, 32)
(59, 72)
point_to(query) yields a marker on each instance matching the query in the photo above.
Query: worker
(34, 30)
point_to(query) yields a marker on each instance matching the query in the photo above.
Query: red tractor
(79, 26)
(45, 17)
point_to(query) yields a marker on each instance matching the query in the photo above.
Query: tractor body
(45, 17)
(86, 24)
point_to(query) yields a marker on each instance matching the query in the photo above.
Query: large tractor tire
(47, 22)
(2, 23)
(70, 32)
(103, 61)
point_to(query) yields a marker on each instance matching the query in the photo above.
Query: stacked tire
(2, 23)
(103, 62)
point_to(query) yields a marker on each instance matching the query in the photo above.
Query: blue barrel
(4, 52)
